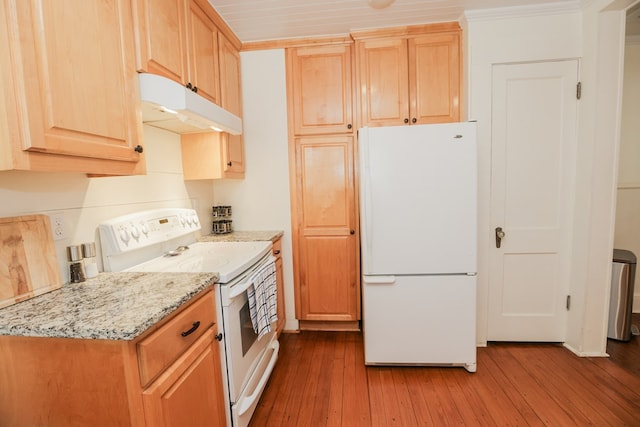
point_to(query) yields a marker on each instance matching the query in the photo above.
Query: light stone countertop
(111, 306)
(243, 236)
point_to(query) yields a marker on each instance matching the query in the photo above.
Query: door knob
(499, 236)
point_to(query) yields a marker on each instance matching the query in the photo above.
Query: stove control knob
(183, 220)
(135, 232)
(145, 228)
(194, 218)
(124, 235)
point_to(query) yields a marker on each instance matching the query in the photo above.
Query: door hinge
(568, 302)
(579, 90)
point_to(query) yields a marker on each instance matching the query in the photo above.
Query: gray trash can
(623, 273)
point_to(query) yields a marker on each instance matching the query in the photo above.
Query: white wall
(84, 202)
(497, 37)
(627, 232)
(261, 201)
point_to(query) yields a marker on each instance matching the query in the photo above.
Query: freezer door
(418, 199)
(419, 320)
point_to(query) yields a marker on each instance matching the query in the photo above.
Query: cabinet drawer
(277, 248)
(160, 349)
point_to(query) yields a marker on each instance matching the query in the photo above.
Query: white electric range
(165, 240)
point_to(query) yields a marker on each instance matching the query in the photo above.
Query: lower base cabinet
(159, 379)
(183, 395)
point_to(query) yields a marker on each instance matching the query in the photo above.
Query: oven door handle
(239, 289)
(247, 402)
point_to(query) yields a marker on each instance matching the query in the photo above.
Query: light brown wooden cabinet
(217, 155)
(67, 105)
(277, 252)
(409, 79)
(321, 89)
(326, 223)
(177, 39)
(159, 379)
(324, 205)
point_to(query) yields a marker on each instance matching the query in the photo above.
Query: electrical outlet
(58, 227)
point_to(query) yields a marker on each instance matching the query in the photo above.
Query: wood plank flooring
(321, 380)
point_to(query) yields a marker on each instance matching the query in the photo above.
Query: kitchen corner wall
(627, 231)
(261, 201)
(84, 202)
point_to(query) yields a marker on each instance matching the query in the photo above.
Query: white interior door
(532, 172)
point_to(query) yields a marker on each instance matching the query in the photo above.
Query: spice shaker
(76, 266)
(89, 255)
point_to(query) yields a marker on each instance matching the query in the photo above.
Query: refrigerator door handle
(379, 280)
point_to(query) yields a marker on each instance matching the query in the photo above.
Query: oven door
(250, 359)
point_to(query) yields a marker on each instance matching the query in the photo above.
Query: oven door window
(247, 333)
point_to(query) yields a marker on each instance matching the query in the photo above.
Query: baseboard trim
(323, 325)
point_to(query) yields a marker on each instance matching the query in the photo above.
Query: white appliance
(168, 105)
(165, 240)
(418, 210)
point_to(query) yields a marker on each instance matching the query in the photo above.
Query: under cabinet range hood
(168, 105)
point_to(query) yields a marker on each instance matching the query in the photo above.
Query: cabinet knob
(406, 120)
(414, 120)
(218, 337)
(229, 164)
(276, 252)
(189, 86)
(352, 232)
(195, 89)
(349, 126)
(138, 149)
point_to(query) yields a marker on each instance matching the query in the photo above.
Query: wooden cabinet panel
(326, 223)
(189, 393)
(179, 40)
(413, 79)
(203, 53)
(233, 164)
(159, 350)
(435, 78)
(328, 289)
(161, 38)
(320, 88)
(72, 106)
(277, 252)
(384, 82)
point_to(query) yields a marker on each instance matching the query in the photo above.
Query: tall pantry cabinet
(323, 188)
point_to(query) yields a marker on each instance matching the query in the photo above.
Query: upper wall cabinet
(68, 87)
(233, 163)
(410, 78)
(178, 39)
(320, 82)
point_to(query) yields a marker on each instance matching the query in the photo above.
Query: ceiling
(260, 20)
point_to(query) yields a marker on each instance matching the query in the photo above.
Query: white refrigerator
(418, 202)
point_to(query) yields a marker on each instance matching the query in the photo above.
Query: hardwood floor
(321, 380)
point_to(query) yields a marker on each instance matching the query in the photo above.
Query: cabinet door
(328, 278)
(202, 39)
(384, 82)
(75, 80)
(320, 89)
(434, 76)
(161, 38)
(189, 392)
(231, 99)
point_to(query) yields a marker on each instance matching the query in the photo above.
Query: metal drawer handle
(192, 330)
